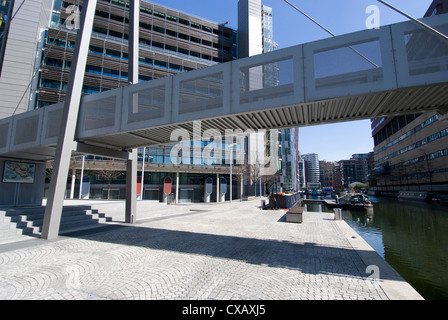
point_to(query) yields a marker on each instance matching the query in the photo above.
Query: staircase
(29, 221)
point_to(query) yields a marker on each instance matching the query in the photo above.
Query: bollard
(337, 214)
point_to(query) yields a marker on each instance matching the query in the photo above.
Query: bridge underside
(323, 82)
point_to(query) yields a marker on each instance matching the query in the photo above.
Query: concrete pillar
(65, 144)
(131, 187)
(337, 214)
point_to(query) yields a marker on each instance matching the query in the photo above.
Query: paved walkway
(202, 251)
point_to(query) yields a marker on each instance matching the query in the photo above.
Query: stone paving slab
(210, 251)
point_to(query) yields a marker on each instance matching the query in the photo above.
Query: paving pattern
(216, 251)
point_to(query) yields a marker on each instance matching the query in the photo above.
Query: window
(145, 60)
(113, 53)
(160, 64)
(145, 26)
(53, 62)
(171, 18)
(175, 67)
(171, 48)
(184, 22)
(159, 14)
(194, 39)
(146, 10)
(171, 33)
(51, 84)
(207, 43)
(157, 44)
(102, 14)
(111, 72)
(208, 29)
(116, 18)
(115, 34)
(184, 36)
(93, 69)
(95, 49)
(184, 51)
(159, 29)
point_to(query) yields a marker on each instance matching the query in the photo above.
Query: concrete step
(29, 221)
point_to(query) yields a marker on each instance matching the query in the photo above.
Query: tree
(109, 175)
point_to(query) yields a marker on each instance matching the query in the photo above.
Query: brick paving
(214, 251)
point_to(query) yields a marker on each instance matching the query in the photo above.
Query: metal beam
(58, 183)
(100, 151)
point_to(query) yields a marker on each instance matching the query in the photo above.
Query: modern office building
(327, 174)
(301, 171)
(36, 54)
(410, 151)
(357, 169)
(23, 32)
(312, 173)
(170, 42)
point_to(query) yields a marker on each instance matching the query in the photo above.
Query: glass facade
(170, 42)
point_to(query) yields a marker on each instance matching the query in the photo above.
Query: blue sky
(291, 28)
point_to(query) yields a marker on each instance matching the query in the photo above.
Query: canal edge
(392, 283)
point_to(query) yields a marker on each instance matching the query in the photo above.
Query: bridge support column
(131, 163)
(131, 187)
(65, 145)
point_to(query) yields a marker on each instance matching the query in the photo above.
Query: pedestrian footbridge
(393, 70)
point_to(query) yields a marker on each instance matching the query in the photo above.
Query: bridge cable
(420, 23)
(332, 34)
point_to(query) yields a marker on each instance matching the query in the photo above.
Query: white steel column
(177, 187)
(217, 188)
(65, 145)
(72, 187)
(131, 163)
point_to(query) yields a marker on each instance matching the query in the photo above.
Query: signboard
(167, 185)
(85, 189)
(208, 185)
(223, 186)
(19, 172)
(139, 185)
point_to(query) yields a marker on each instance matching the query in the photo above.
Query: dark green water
(412, 237)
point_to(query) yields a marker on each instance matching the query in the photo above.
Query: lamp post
(231, 162)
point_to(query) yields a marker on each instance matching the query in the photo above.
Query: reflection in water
(412, 237)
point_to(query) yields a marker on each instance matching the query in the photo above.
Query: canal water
(411, 236)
